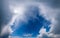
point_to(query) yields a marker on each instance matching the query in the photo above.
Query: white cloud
(6, 30)
(43, 30)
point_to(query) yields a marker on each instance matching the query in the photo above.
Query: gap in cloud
(34, 24)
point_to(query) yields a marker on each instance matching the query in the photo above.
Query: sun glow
(19, 10)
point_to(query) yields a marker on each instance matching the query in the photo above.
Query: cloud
(51, 14)
(6, 30)
(6, 16)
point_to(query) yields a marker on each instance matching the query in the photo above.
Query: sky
(34, 23)
(27, 15)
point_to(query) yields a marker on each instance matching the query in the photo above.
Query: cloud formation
(6, 16)
(50, 9)
(52, 14)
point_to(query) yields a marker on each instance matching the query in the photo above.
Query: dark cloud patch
(5, 12)
(51, 3)
(44, 36)
(5, 16)
(5, 36)
(56, 28)
(56, 4)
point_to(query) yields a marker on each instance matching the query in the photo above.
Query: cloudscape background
(30, 18)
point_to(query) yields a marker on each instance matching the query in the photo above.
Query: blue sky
(34, 24)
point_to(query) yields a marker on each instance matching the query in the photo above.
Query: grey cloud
(44, 36)
(5, 15)
(53, 12)
(51, 3)
(5, 12)
(56, 28)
